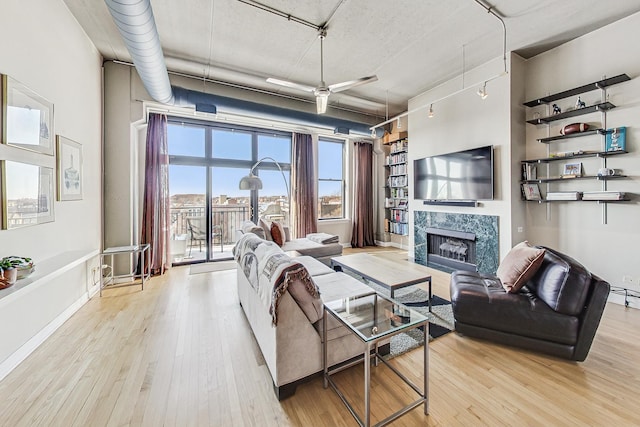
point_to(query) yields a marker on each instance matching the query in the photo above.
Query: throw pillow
(277, 233)
(267, 229)
(520, 264)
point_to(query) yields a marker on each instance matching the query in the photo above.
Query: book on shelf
(616, 139)
(567, 153)
(564, 195)
(603, 195)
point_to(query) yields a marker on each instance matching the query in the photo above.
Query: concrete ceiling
(411, 45)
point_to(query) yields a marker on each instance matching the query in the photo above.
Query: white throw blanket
(270, 271)
(323, 238)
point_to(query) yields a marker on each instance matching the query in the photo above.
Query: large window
(206, 164)
(330, 179)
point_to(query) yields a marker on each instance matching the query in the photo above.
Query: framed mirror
(27, 194)
(27, 118)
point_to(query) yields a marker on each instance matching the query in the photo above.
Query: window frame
(343, 181)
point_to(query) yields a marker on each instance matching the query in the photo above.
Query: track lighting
(430, 111)
(373, 133)
(482, 92)
(399, 123)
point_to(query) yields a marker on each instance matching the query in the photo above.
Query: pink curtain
(304, 216)
(155, 213)
(362, 234)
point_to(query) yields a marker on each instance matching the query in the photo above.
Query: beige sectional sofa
(292, 348)
(305, 246)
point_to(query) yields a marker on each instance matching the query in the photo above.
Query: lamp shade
(250, 182)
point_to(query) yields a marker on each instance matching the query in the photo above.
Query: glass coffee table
(372, 318)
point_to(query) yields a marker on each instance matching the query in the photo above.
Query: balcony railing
(225, 220)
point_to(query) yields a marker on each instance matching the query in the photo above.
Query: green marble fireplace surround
(485, 228)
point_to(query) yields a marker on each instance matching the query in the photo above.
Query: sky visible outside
(188, 140)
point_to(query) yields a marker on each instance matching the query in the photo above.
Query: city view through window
(206, 165)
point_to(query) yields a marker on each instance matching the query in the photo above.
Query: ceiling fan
(322, 91)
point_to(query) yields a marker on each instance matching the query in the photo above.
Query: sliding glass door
(206, 163)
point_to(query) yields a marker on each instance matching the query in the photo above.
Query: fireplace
(478, 233)
(450, 248)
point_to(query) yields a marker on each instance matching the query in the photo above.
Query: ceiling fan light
(321, 103)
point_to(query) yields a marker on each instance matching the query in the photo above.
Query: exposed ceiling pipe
(134, 19)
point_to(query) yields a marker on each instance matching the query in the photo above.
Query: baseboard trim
(11, 362)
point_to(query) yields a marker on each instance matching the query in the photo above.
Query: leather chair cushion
(480, 300)
(561, 282)
(520, 264)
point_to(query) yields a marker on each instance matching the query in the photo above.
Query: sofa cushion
(313, 249)
(313, 266)
(267, 229)
(480, 300)
(561, 282)
(250, 227)
(277, 233)
(520, 264)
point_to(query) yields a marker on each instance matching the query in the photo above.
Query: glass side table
(145, 272)
(372, 318)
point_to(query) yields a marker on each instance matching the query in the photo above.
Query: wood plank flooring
(180, 353)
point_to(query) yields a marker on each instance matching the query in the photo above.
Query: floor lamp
(253, 182)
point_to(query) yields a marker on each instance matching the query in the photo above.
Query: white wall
(463, 121)
(608, 250)
(43, 47)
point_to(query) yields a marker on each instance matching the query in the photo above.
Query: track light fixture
(430, 111)
(373, 133)
(399, 123)
(482, 92)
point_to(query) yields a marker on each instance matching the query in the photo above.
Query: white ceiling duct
(134, 19)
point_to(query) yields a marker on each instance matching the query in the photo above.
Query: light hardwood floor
(181, 353)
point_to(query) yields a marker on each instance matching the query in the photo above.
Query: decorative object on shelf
(531, 192)
(574, 128)
(24, 266)
(556, 109)
(27, 117)
(580, 103)
(616, 139)
(606, 172)
(28, 192)
(572, 170)
(69, 159)
(8, 275)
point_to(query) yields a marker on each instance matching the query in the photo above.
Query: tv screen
(463, 175)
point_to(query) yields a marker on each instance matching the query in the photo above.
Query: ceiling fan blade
(321, 103)
(339, 87)
(292, 85)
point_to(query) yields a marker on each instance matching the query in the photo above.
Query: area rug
(208, 267)
(440, 319)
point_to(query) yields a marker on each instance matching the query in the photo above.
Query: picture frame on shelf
(616, 139)
(69, 165)
(531, 191)
(572, 170)
(27, 194)
(27, 118)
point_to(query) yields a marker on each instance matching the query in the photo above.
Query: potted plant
(8, 273)
(23, 265)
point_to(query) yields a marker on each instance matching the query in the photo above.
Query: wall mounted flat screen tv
(463, 175)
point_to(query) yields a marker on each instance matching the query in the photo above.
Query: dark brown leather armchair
(557, 312)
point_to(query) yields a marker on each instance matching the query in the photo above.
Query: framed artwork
(531, 192)
(69, 160)
(27, 118)
(572, 170)
(27, 194)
